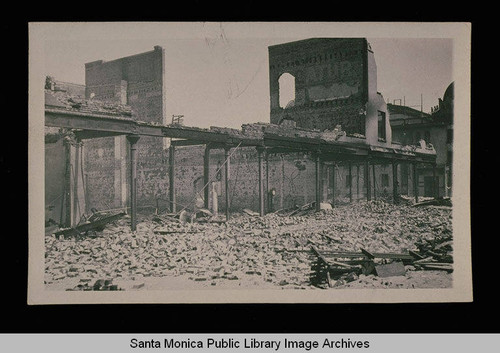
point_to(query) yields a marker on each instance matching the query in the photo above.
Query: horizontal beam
(280, 143)
(126, 126)
(179, 143)
(89, 134)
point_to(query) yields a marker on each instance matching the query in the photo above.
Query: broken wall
(137, 81)
(331, 83)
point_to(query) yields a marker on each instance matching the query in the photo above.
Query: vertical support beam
(318, 181)
(268, 206)
(171, 178)
(334, 170)
(76, 174)
(226, 179)
(415, 182)
(374, 182)
(133, 181)
(206, 175)
(367, 179)
(282, 184)
(435, 182)
(66, 206)
(260, 151)
(395, 192)
(350, 182)
(357, 182)
(407, 167)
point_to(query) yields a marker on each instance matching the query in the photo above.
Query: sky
(217, 73)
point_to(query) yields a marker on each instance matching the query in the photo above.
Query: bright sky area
(217, 73)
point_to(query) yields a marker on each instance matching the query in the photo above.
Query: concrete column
(133, 181)
(260, 151)
(171, 178)
(318, 181)
(415, 182)
(206, 175)
(226, 180)
(367, 179)
(395, 192)
(374, 182)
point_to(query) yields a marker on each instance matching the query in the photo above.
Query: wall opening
(286, 89)
(381, 125)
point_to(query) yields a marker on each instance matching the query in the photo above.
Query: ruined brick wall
(291, 175)
(331, 82)
(291, 183)
(99, 170)
(138, 81)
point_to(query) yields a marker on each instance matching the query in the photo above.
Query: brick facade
(331, 82)
(137, 81)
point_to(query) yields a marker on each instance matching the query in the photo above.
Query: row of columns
(262, 157)
(318, 173)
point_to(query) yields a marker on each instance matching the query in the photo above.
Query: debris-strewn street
(273, 251)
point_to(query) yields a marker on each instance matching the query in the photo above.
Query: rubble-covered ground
(248, 251)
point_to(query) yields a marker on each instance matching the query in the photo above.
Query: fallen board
(89, 226)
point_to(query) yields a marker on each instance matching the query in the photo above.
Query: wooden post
(350, 182)
(171, 154)
(260, 151)
(226, 179)
(133, 181)
(206, 175)
(367, 178)
(395, 193)
(415, 182)
(318, 181)
(374, 182)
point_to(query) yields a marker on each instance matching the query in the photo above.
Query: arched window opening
(286, 89)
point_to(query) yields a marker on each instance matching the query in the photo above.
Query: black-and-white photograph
(249, 162)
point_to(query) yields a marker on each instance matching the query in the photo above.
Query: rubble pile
(273, 248)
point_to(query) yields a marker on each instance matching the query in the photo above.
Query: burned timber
(356, 229)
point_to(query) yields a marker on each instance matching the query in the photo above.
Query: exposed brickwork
(331, 85)
(138, 82)
(99, 170)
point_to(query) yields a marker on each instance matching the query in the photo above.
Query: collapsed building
(109, 149)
